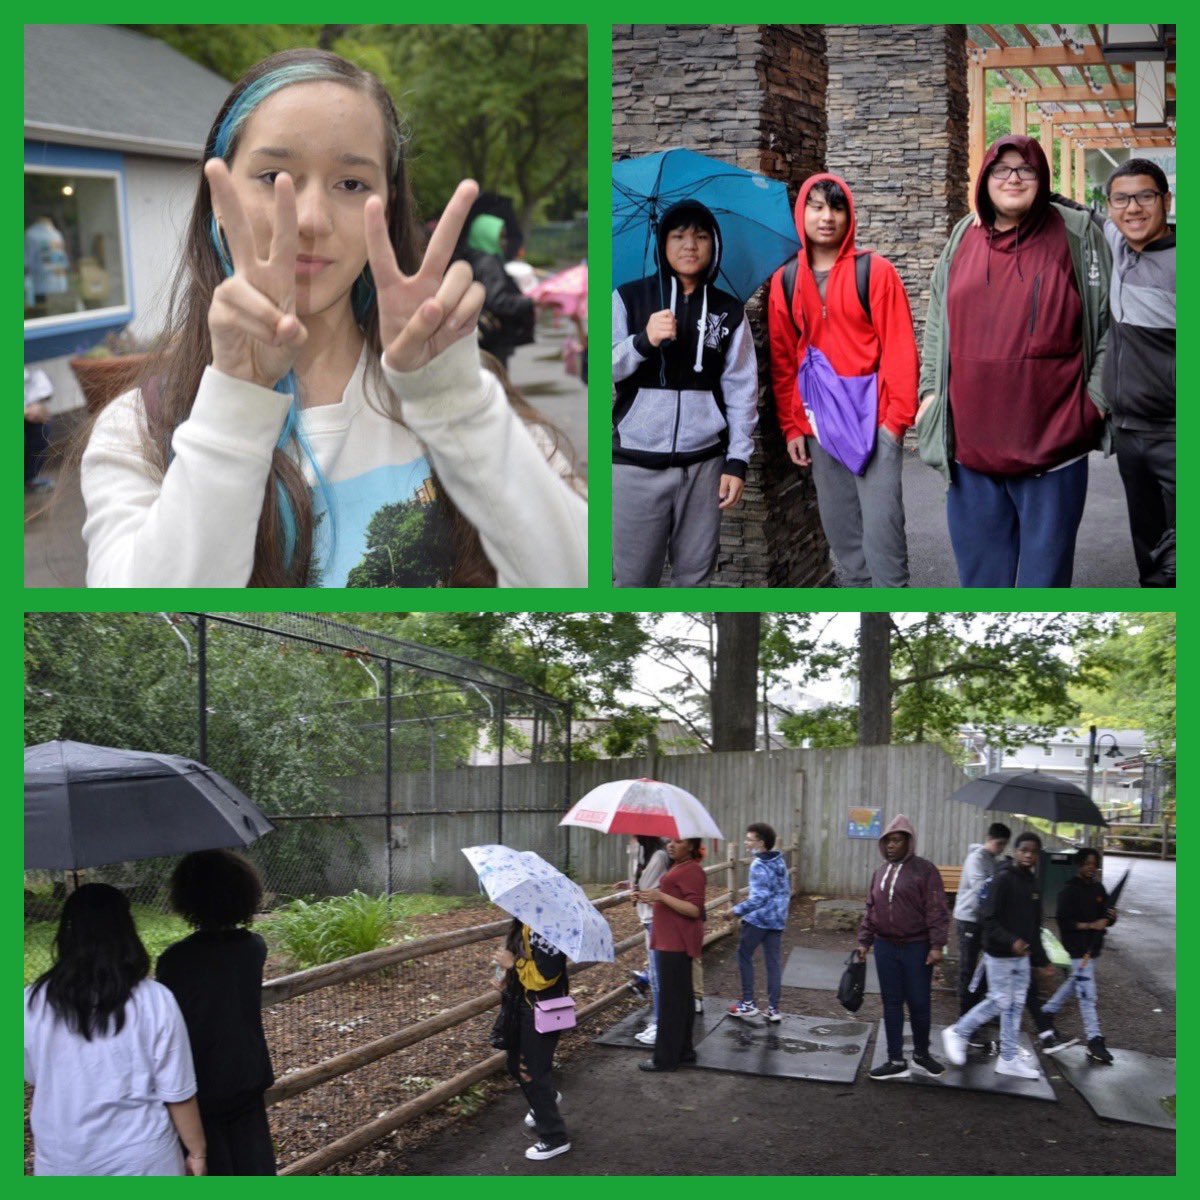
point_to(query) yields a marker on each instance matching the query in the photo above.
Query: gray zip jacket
(979, 867)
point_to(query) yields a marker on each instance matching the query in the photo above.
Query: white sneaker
(955, 1045)
(648, 1036)
(530, 1123)
(1016, 1067)
(700, 1005)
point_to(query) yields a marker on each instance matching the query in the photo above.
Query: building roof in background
(108, 87)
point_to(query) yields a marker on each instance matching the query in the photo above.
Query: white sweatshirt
(196, 526)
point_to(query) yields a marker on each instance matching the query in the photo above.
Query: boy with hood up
(1011, 370)
(977, 870)
(863, 516)
(763, 915)
(685, 407)
(907, 921)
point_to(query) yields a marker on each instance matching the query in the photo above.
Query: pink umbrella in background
(566, 290)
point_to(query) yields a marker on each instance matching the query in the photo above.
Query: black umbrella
(1031, 794)
(86, 806)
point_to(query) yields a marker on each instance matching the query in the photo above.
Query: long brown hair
(172, 375)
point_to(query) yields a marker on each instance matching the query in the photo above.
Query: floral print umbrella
(525, 885)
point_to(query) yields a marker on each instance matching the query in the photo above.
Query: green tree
(407, 546)
(1131, 679)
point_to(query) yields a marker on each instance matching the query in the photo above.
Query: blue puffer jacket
(770, 893)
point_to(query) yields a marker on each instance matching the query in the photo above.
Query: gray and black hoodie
(693, 398)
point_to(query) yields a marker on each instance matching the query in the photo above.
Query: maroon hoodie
(1017, 388)
(907, 899)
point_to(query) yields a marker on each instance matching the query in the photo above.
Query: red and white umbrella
(643, 807)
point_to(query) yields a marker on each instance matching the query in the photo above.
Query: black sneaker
(928, 1065)
(1097, 1051)
(541, 1151)
(891, 1070)
(1052, 1043)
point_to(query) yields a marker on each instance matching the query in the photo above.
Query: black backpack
(862, 280)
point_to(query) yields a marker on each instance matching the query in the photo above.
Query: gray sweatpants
(672, 512)
(863, 515)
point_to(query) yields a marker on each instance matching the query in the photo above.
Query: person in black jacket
(531, 969)
(507, 318)
(1012, 939)
(1084, 914)
(216, 976)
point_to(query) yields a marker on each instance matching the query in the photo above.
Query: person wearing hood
(850, 305)
(684, 409)
(1011, 395)
(1012, 940)
(507, 318)
(977, 871)
(1139, 368)
(907, 922)
(763, 915)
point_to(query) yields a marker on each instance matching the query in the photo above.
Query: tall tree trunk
(735, 682)
(874, 679)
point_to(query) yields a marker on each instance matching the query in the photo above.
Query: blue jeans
(770, 940)
(651, 972)
(1081, 984)
(1008, 983)
(1016, 531)
(904, 979)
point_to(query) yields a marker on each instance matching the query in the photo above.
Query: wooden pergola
(1083, 96)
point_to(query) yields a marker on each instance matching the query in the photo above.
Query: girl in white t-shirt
(107, 1053)
(319, 415)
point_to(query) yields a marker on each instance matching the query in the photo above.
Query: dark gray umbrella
(1031, 794)
(86, 806)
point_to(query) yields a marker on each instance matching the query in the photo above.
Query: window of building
(76, 257)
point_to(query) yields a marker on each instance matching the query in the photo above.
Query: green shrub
(322, 931)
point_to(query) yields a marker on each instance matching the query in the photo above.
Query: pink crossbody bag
(552, 1016)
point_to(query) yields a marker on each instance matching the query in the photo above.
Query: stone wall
(752, 95)
(897, 133)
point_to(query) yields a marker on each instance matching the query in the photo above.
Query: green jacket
(1093, 267)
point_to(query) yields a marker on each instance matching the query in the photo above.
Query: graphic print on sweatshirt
(716, 331)
(386, 530)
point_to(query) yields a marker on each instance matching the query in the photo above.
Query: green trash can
(1055, 868)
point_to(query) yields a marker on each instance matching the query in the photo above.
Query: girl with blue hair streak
(319, 413)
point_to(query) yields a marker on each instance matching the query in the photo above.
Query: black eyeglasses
(1001, 172)
(1123, 199)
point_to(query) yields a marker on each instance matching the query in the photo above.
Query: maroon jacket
(907, 899)
(1017, 386)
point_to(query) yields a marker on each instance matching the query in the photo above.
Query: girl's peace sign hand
(252, 318)
(421, 315)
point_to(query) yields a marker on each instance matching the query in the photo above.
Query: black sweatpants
(970, 944)
(239, 1141)
(531, 1065)
(1147, 466)
(676, 1009)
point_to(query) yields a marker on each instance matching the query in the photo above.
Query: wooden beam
(976, 126)
(1047, 140)
(1080, 176)
(1090, 116)
(1065, 158)
(1044, 56)
(1019, 118)
(1079, 95)
(1117, 143)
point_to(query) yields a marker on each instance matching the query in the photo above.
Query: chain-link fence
(355, 744)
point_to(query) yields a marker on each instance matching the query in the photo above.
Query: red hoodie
(907, 899)
(1017, 387)
(840, 329)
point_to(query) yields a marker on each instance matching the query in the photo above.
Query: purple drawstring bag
(844, 410)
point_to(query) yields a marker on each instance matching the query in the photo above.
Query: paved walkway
(54, 550)
(1103, 551)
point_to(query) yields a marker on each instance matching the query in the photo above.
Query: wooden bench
(951, 878)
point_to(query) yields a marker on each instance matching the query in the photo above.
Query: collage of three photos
(384, 885)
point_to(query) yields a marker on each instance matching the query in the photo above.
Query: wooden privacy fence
(805, 793)
(333, 975)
